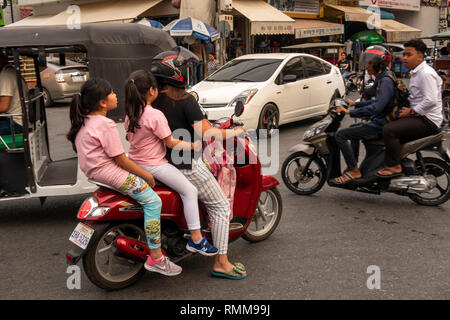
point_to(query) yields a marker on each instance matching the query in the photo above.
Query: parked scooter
(426, 180)
(110, 237)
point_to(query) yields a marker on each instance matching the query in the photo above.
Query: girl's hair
(136, 88)
(85, 102)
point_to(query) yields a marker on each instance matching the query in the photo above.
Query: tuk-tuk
(113, 52)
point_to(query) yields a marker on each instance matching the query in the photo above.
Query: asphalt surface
(322, 248)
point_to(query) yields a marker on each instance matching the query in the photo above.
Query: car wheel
(268, 119)
(47, 98)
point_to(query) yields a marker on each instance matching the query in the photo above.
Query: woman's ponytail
(136, 89)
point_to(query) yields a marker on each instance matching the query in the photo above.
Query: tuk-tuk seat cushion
(9, 141)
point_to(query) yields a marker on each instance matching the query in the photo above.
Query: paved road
(321, 250)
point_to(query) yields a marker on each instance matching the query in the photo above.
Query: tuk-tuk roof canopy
(114, 51)
(89, 35)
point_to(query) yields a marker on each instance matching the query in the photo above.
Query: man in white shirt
(9, 98)
(423, 118)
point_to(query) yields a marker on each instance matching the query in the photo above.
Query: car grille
(208, 106)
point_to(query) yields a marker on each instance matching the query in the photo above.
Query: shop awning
(353, 13)
(106, 11)
(399, 32)
(314, 45)
(305, 28)
(264, 19)
(30, 21)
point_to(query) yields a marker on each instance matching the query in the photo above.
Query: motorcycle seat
(158, 184)
(377, 142)
(416, 145)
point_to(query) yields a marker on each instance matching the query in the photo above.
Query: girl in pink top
(149, 133)
(101, 157)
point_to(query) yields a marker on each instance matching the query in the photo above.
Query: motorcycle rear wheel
(120, 272)
(294, 180)
(441, 193)
(266, 217)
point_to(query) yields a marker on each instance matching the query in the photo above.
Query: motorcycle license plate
(81, 235)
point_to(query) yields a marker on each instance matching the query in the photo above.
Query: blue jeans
(5, 127)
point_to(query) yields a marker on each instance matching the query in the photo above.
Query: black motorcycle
(425, 179)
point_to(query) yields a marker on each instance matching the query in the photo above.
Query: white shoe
(165, 267)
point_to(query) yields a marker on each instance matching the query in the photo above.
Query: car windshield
(246, 70)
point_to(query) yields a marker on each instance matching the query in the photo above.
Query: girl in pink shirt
(148, 133)
(101, 157)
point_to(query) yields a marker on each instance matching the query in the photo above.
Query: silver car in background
(62, 81)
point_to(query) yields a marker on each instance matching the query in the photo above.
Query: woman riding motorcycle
(183, 113)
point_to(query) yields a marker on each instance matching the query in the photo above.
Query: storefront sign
(2, 20)
(319, 32)
(412, 5)
(272, 28)
(297, 6)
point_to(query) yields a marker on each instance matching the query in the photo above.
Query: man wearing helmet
(376, 62)
(183, 112)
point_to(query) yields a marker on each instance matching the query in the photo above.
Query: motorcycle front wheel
(266, 217)
(105, 267)
(303, 174)
(441, 192)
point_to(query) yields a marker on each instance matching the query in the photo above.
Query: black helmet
(170, 67)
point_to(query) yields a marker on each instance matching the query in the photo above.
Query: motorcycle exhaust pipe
(132, 249)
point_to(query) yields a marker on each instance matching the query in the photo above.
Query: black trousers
(348, 141)
(404, 130)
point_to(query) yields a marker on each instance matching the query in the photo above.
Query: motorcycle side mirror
(239, 109)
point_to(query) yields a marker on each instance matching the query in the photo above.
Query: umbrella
(368, 37)
(150, 23)
(190, 26)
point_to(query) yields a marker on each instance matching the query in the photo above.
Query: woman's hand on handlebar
(351, 103)
(239, 130)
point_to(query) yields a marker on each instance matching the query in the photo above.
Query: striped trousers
(217, 205)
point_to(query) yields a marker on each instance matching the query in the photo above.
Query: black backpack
(401, 95)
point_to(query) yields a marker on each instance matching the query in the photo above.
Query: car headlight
(245, 96)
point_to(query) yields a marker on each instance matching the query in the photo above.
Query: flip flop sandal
(239, 266)
(341, 181)
(235, 274)
(389, 176)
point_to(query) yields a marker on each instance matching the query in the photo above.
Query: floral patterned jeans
(138, 189)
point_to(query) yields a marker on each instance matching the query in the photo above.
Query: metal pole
(12, 11)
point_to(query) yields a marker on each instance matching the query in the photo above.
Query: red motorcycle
(110, 237)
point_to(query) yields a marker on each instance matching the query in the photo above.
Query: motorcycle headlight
(309, 133)
(320, 129)
(245, 96)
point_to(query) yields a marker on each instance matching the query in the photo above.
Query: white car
(276, 88)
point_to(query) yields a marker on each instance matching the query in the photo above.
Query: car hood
(212, 92)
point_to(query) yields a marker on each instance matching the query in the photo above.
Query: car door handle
(329, 81)
(305, 87)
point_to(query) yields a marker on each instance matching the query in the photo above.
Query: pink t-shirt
(97, 143)
(146, 144)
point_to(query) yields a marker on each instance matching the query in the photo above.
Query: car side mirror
(289, 78)
(239, 109)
